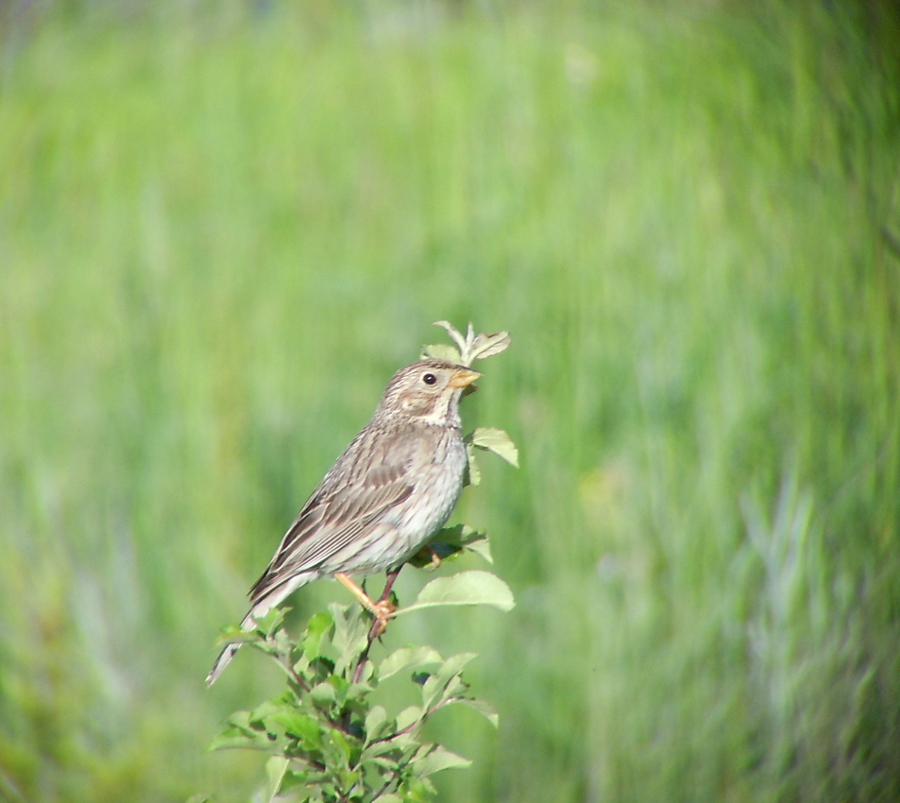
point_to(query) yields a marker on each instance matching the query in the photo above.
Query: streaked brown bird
(392, 488)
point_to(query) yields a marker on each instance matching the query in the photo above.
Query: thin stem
(387, 786)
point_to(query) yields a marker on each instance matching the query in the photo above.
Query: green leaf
(406, 658)
(315, 630)
(276, 767)
(441, 351)
(232, 738)
(462, 537)
(351, 632)
(375, 720)
(447, 681)
(474, 347)
(483, 707)
(292, 779)
(454, 664)
(323, 693)
(379, 748)
(340, 685)
(232, 634)
(201, 797)
(269, 623)
(481, 546)
(241, 733)
(343, 745)
(496, 441)
(283, 644)
(464, 588)
(488, 345)
(408, 716)
(300, 725)
(438, 758)
(473, 473)
(256, 718)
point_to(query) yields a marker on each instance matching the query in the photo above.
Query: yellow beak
(463, 378)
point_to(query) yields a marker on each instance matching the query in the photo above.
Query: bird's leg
(364, 599)
(381, 610)
(379, 625)
(428, 551)
(386, 604)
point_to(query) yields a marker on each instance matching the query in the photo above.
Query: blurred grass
(221, 230)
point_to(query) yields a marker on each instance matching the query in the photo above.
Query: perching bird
(392, 488)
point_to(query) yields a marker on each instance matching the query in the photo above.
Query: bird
(386, 495)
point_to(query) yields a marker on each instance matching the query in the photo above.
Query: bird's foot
(427, 558)
(382, 610)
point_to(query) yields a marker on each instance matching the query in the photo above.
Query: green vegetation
(222, 230)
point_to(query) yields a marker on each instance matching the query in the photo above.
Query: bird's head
(428, 390)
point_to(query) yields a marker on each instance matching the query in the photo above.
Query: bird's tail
(262, 604)
(229, 652)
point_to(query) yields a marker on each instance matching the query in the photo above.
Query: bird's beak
(463, 378)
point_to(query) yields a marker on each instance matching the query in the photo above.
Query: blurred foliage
(223, 226)
(326, 739)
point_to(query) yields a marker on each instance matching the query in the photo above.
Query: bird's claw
(382, 610)
(428, 558)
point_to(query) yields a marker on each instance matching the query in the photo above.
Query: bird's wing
(368, 480)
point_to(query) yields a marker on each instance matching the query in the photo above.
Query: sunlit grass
(221, 235)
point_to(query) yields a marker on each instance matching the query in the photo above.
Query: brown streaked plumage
(393, 487)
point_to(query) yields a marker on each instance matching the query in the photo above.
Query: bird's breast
(438, 484)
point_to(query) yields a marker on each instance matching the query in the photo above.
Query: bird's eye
(429, 379)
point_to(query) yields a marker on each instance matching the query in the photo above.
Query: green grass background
(223, 227)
